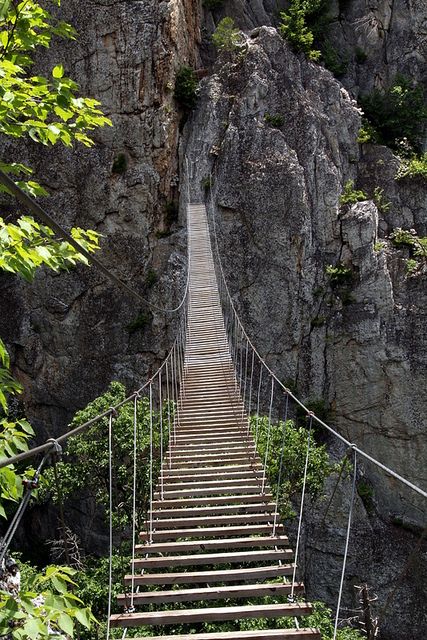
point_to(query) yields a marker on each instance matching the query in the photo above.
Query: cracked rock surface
(359, 343)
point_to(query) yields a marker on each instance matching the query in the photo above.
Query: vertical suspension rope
(175, 392)
(268, 435)
(279, 479)
(110, 516)
(347, 539)
(250, 391)
(169, 414)
(246, 378)
(135, 422)
(257, 405)
(151, 463)
(161, 435)
(304, 484)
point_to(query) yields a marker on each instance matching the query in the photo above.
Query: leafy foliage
(367, 133)
(27, 245)
(46, 607)
(414, 167)
(397, 113)
(339, 274)
(186, 84)
(85, 466)
(417, 262)
(350, 195)
(226, 37)
(378, 197)
(295, 440)
(47, 110)
(275, 120)
(304, 25)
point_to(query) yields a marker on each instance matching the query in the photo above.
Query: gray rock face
(69, 332)
(278, 137)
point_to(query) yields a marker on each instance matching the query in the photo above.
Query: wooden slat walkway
(209, 510)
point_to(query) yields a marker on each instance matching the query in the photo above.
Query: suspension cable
(110, 516)
(30, 204)
(29, 486)
(135, 430)
(360, 452)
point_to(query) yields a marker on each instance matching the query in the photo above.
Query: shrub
(226, 37)
(367, 133)
(275, 120)
(85, 465)
(319, 467)
(305, 25)
(378, 197)
(120, 164)
(336, 63)
(339, 274)
(206, 183)
(294, 28)
(350, 195)
(398, 112)
(417, 246)
(186, 84)
(151, 278)
(416, 167)
(140, 322)
(360, 55)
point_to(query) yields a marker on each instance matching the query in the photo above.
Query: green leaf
(58, 71)
(66, 624)
(35, 627)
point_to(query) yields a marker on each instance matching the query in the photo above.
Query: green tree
(398, 113)
(47, 110)
(295, 28)
(226, 37)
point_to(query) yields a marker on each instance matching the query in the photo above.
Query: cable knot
(311, 414)
(287, 391)
(137, 395)
(30, 483)
(113, 411)
(130, 609)
(56, 451)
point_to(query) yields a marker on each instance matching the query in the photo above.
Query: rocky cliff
(278, 135)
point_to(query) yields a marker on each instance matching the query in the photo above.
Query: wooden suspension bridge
(213, 527)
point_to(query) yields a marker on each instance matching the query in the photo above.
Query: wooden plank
(267, 634)
(208, 577)
(236, 592)
(213, 491)
(214, 500)
(210, 532)
(225, 469)
(182, 616)
(219, 475)
(215, 558)
(182, 546)
(203, 521)
(179, 512)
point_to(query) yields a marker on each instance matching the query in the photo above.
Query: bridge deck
(210, 510)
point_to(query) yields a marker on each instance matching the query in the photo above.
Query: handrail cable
(37, 210)
(5, 462)
(353, 446)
